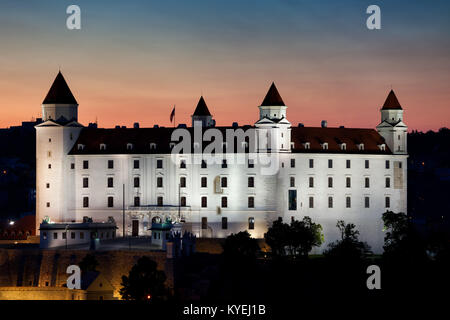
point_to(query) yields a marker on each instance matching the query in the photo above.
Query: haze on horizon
(133, 60)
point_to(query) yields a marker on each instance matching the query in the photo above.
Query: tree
(296, 239)
(349, 248)
(89, 263)
(144, 282)
(402, 242)
(240, 245)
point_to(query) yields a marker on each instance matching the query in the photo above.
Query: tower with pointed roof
(59, 104)
(392, 128)
(201, 115)
(55, 136)
(274, 130)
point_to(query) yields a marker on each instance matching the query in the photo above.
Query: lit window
(251, 223)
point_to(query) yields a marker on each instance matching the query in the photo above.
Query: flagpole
(174, 116)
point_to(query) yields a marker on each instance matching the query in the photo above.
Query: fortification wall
(47, 268)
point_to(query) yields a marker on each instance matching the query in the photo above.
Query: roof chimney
(324, 123)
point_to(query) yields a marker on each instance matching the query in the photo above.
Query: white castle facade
(328, 174)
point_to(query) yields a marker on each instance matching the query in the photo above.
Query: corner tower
(202, 114)
(392, 128)
(60, 104)
(55, 137)
(274, 130)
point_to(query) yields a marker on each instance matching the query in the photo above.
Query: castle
(325, 173)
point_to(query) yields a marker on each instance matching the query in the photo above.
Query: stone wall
(47, 268)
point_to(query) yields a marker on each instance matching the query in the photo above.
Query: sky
(132, 61)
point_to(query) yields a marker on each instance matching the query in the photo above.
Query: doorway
(135, 228)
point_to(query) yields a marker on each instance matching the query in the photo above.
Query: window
(49, 153)
(388, 164)
(64, 235)
(251, 202)
(55, 235)
(85, 164)
(182, 182)
(224, 163)
(85, 202)
(348, 202)
(85, 182)
(137, 201)
(81, 235)
(159, 182)
(366, 164)
(311, 182)
(159, 164)
(204, 182)
(44, 235)
(224, 223)
(330, 202)
(49, 139)
(348, 182)
(110, 202)
(366, 202)
(136, 182)
(330, 182)
(251, 163)
(292, 182)
(204, 223)
(183, 201)
(251, 182)
(224, 182)
(110, 182)
(72, 235)
(110, 164)
(400, 165)
(48, 185)
(292, 199)
(348, 164)
(183, 164)
(388, 182)
(72, 165)
(204, 164)
(160, 201)
(330, 163)
(49, 165)
(387, 202)
(311, 202)
(311, 163)
(204, 202)
(48, 204)
(292, 163)
(224, 202)
(251, 223)
(367, 182)
(136, 164)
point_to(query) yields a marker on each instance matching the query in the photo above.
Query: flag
(172, 114)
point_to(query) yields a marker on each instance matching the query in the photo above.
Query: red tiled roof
(116, 140)
(59, 92)
(336, 136)
(391, 102)
(273, 97)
